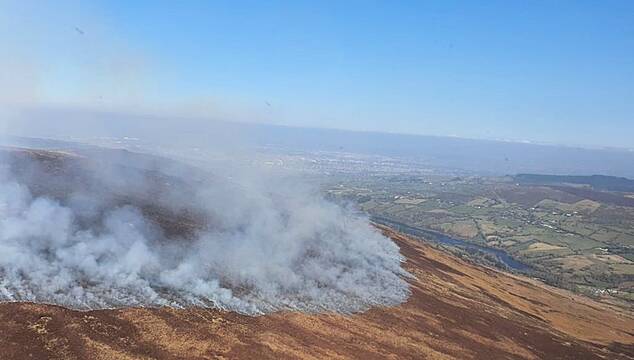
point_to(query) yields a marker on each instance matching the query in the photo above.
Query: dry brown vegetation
(456, 311)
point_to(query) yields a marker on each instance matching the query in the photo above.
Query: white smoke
(269, 246)
(97, 241)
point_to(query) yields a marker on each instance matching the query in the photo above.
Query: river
(445, 239)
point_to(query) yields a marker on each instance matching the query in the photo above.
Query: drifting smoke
(103, 236)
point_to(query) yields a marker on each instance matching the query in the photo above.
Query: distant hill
(597, 182)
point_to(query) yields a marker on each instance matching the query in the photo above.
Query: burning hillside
(117, 229)
(455, 311)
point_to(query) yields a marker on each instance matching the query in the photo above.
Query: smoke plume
(87, 233)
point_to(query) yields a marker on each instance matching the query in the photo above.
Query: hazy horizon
(205, 136)
(8, 124)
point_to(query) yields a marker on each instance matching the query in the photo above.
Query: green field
(577, 243)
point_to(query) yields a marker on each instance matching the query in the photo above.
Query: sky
(543, 71)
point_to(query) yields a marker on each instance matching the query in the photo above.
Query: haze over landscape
(199, 180)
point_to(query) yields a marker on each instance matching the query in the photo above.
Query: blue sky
(546, 71)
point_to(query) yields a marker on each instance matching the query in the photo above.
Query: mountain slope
(456, 311)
